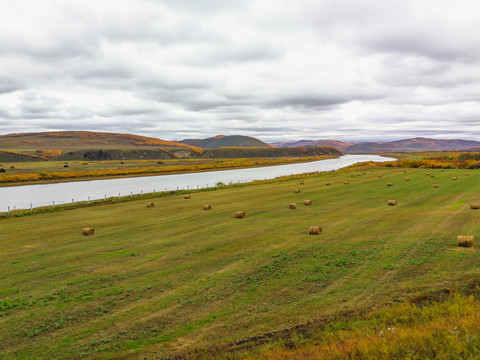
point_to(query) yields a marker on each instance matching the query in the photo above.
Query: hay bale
(327, 184)
(307, 202)
(302, 182)
(88, 231)
(296, 191)
(2, 170)
(150, 204)
(442, 170)
(436, 186)
(465, 240)
(407, 179)
(314, 230)
(347, 182)
(187, 197)
(428, 174)
(467, 174)
(12, 167)
(475, 206)
(240, 214)
(404, 171)
(392, 202)
(65, 166)
(292, 206)
(389, 184)
(454, 178)
(207, 207)
(364, 173)
(379, 176)
(352, 175)
(432, 176)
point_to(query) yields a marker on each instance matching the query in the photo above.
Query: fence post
(105, 197)
(118, 196)
(9, 210)
(89, 199)
(53, 204)
(73, 202)
(31, 207)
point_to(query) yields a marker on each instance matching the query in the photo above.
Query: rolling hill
(405, 145)
(226, 141)
(310, 143)
(77, 140)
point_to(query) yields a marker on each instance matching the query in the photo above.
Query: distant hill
(89, 145)
(413, 145)
(72, 140)
(310, 143)
(405, 145)
(94, 146)
(226, 141)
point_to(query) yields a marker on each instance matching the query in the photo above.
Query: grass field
(175, 279)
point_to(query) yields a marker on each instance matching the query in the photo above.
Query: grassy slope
(79, 140)
(162, 280)
(222, 141)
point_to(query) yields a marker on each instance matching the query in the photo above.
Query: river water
(26, 196)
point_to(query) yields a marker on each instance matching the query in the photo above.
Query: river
(27, 196)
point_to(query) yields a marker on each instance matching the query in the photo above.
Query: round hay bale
(88, 231)
(352, 175)
(307, 202)
(207, 207)
(187, 197)
(314, 230)
(12, 167)
(392, 202)
(454, 178)
(467, 174)
(427, 173)
(240, 214)
(465, 240)
(296, 191)
(389, 184)
(65, 166)
(475, 206)
(292, 206)
(2, 170)
(379, 176)
(347, 182)
(364, 173)
(436, 186)
(404, 171)
(302, 182)
(327, 184)
(432, 175)
(407, 179)
(150, 204)
(442, 170)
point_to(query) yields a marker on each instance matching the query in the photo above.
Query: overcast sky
(274, 69)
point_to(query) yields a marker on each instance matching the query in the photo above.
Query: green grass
(174, 278)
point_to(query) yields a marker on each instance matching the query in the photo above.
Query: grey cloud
(282, 70)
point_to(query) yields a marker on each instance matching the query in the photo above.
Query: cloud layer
(277, 70)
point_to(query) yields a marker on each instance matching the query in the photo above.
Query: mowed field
(176, 280)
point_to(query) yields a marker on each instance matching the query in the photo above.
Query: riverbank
(37, 173)
(38, 195)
